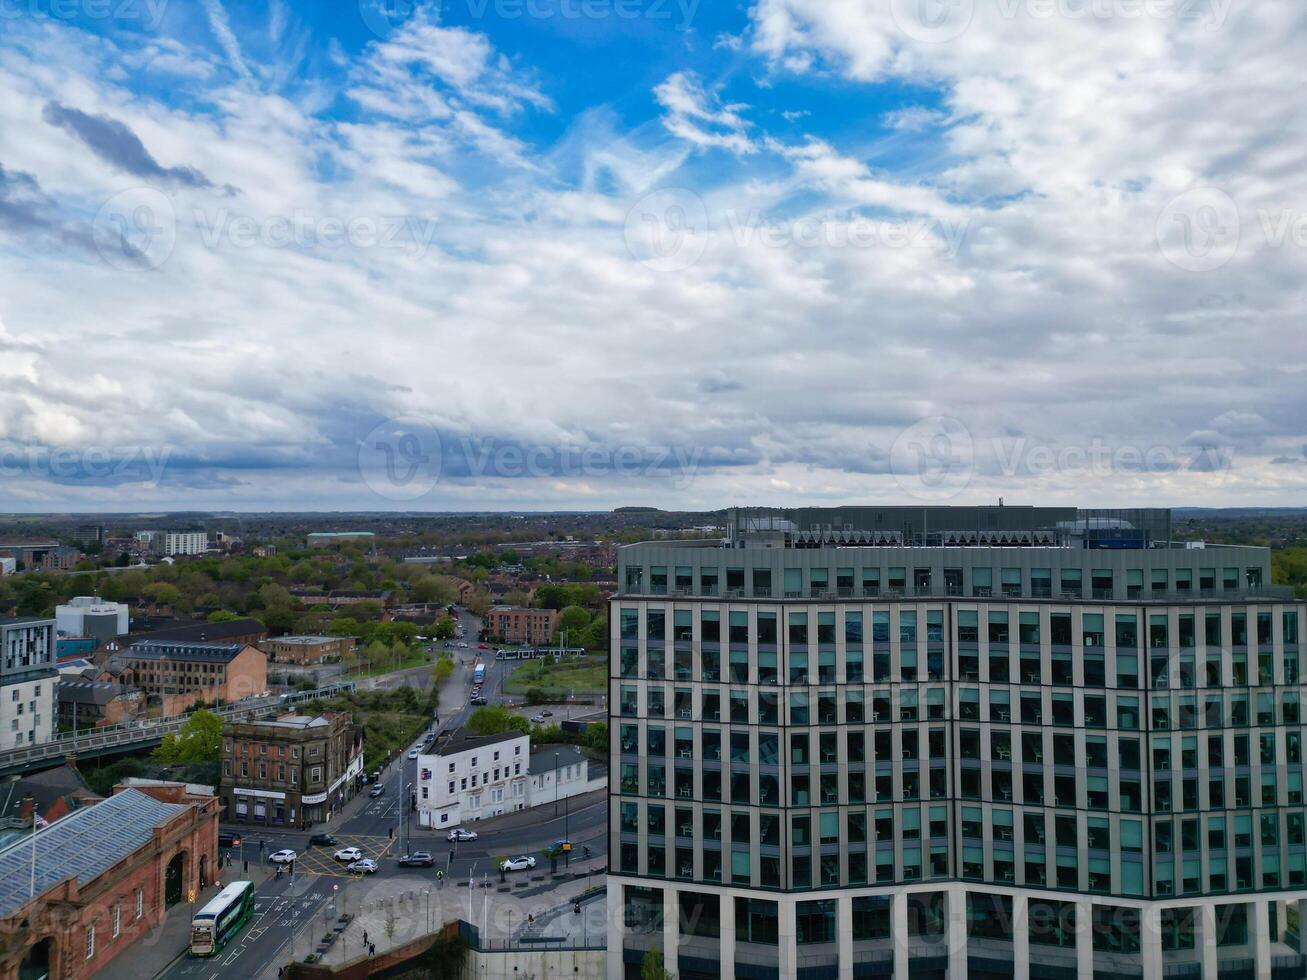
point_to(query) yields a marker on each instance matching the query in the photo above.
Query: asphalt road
(379, 826)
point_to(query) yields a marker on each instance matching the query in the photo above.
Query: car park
(459, 834)
(523, 863)
(348, 854)
(364, 866)
(418, 859)
(322, 840)
(285, 856)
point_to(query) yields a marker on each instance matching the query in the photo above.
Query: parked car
(348, 854)
(229, 838)
(483, 646)
(377, 790)
(412, 753)
(459, 834)
(364, 866)
(322, 840)
(538, 719)
(418, 859)
(479, 702)
(523, 863)
(546, 713)
(282, 857)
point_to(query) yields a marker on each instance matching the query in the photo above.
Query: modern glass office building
(971, 741)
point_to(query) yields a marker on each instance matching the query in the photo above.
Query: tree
(596, 736)
(573, 619)
(435, 588)
(445, 628)
(493, 720)
(199, 740)
(651, 968)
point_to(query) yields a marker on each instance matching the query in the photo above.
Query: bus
(479, 673)
(222, 918)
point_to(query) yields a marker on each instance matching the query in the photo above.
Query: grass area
(385, 665)
(574, 675)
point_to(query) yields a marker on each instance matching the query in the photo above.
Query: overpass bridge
(118, 739)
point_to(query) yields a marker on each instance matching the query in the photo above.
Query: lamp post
(555, 784)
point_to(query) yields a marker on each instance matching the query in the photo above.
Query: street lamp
(555, 784)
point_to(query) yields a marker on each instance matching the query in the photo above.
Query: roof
(290, 721)
(26, 621)
(174, 650)
(462, 742)
(82, 845)
(47, 787)
(542, 758)
(305, 639)
(202, 632)
(525, 609)
(90, 692)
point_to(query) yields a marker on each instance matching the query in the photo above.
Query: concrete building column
(844, 929)
(955, 932)
(1259, 938)
(615, 968)
(728, 938)
(1302, 924)
(1207, 938)
(1084, 939)
(898, 911)
(1150, 942)
(1020, 936)
(671, 932)
(787, 950)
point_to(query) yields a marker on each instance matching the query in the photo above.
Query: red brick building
(106, 875)
(514, 624)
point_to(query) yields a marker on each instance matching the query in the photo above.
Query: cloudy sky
(586, 253)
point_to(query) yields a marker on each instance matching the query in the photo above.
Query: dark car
(418, 859)
(322, 840)
(229, 838)
(479, 702)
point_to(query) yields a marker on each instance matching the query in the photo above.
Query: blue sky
(585, 253)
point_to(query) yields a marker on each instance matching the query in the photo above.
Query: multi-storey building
(91, 616)
(309, 649)
(28, 679)
(470, 777)
(182, 673)
(932, 741)
(171, 543)
(291, 771)
(515, 624)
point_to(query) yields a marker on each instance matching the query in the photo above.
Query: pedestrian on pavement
(227, 859)
(245, 867)
(372, 949)
(365, 937)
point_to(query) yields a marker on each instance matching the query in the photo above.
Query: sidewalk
(393, 914)
(168, 942)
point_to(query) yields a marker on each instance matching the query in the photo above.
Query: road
(379, 826)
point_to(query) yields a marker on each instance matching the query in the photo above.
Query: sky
(577, 254)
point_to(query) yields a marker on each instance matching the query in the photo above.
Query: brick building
(247, 631)
(181, 674)
(515, 624)
(290, 771)
(309, 649)
(106, 875)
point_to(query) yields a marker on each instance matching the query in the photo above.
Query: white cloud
(698, 116)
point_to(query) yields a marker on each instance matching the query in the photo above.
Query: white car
(459, 834)
(348, 854)
(523, 863)
(412, 753)
(282, 857)
(364, 866)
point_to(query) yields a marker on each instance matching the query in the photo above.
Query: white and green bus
(222, 918)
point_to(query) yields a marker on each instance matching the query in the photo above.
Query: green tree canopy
(493, 720)
(200, 740)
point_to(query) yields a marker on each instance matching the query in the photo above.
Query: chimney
(29, 805)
